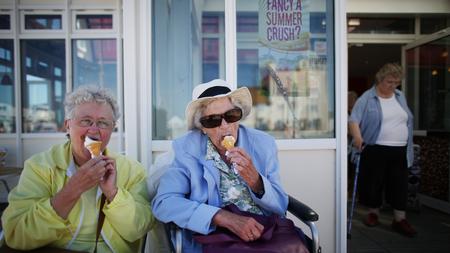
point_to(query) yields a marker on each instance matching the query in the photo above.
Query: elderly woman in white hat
(205, 176)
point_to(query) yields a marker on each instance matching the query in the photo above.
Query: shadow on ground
(433, 233)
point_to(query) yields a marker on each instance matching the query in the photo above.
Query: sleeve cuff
(117, 201)
(65, 222)
(201, 219)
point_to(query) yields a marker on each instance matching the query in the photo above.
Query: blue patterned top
(233, 189)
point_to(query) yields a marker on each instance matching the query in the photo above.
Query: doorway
(427, 87)
(365, 59)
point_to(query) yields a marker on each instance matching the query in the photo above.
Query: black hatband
(214, 91)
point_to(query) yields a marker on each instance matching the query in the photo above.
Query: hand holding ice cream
(228, 143)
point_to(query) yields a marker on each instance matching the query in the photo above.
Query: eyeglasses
(101, 123)
(215, 120)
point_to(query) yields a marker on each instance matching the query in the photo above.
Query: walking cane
(355, 183)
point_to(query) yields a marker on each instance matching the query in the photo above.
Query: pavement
(432, 226)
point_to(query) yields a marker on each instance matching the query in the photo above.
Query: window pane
(318, 22)
(94, 22)
(428, 93)
(5, 22)
(46, 22)
(210, 59)
(247, 22)
(286, 67)
(247, 67)
(95, 63)
(430, 25)
(7, 101)
(380, 25)
(428, 69)
(43, 90)
(188, 49)
(210, 24)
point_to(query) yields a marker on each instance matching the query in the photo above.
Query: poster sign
(282, 24)
(284, 33)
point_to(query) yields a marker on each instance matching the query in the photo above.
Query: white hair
(88, 94)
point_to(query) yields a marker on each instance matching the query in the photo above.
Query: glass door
(427, 88)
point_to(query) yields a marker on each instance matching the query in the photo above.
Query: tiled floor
(433, 229)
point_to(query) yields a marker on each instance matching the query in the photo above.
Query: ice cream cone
(228, 142)
(93, 146)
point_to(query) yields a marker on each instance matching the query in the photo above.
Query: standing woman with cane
(383, 123)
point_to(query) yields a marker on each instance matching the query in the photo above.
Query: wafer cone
(93, 146)
(228, 142)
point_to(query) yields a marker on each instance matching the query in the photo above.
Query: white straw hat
(217, 88)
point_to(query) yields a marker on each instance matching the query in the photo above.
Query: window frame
(24, 13)
(69, 35)
(333, 76)
(113, 30)
(12, 22)
(221, 37)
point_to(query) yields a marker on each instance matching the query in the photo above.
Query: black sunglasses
(215, 120)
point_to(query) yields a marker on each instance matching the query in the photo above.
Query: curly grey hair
(87, 94)
(389, 69)
(199, 113)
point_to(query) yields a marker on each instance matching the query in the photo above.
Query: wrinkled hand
(244, 165)
(247, 228)
(108, 182)
(88, 175)
(99, 171)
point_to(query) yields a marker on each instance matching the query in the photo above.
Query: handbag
(46, 249)
(279, 236)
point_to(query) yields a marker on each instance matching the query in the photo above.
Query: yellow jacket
(30, 221)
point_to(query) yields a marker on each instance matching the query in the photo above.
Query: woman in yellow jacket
(57, 200)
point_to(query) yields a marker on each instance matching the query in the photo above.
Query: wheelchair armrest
(301, 210)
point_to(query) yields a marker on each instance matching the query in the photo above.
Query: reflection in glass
(94, 21)
(188, 49)
(247, 67)
(42, 90)
(43, 22)
(95, 63)
(7, 102)
(284, 63)
(428, 94)
(210, 23)
(5, 22)
(428, 82)
(433, 24)
(212, 45)
(383, 25)
(210, 50)
(318, 22)
(247, 22)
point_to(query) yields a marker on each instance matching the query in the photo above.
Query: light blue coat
(188, 193)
